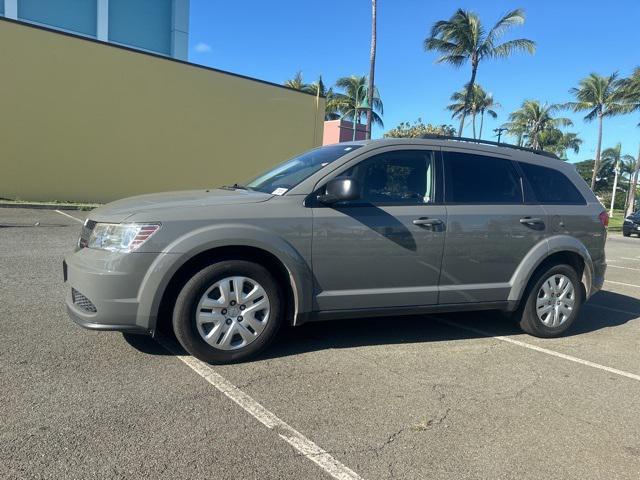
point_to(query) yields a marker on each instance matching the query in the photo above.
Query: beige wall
(80, 120)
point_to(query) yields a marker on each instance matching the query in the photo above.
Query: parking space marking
(289, 434)
(553, 353)
(624, 268)
(617, 310)
(628, 258)
(70, 216)
(621, 283)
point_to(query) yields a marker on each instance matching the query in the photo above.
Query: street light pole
(615, 185)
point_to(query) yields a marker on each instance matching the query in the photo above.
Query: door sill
(319, 316)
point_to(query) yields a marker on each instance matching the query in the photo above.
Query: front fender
(184, 248)
(539, 253)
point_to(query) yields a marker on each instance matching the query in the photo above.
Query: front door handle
(533, 222)
(427, 222)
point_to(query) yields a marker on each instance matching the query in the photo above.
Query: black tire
(184, 312)
(526, 314)
(626, 234)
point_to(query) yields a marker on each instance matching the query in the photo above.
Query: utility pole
(499, 132)
(632, 188)
(615, 185)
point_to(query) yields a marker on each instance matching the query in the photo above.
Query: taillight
(604, 219)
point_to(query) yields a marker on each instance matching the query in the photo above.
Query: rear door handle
(427, 222)
(532, 221)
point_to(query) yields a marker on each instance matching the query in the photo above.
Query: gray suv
(378, 228)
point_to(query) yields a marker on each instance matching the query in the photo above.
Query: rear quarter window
(551, 186)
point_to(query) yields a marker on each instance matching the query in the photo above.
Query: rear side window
(551, 186)
(480, 179)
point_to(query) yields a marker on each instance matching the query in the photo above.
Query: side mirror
(340, 190)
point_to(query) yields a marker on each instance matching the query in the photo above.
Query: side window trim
(528, 193)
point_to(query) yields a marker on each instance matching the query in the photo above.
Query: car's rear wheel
(626, 234)
(552, 302)
(228, 312)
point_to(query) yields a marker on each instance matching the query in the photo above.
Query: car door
(385, 249)
(490, 228)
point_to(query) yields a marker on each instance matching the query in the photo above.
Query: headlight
(121, 237)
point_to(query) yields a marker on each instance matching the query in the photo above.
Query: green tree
(463, 39)
(631, 92)
(316, 88)
(601, 97)
(481, 102)
(534, 125)
(417, 129)
(297, 82)
(346, 103)
(556, 141)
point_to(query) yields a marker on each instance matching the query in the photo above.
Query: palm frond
(506, 49)
(508, 20)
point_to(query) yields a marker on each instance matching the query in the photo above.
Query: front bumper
(106, 288)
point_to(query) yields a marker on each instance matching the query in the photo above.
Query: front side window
(551, 186)
(290, 173)
(480, 179)
(398, 177)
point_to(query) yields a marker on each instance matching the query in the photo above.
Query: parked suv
(376, 228)
(631, 225)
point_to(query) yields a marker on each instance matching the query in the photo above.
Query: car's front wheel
(552, 302)
(228, 312)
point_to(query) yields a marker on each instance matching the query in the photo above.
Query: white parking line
(624, 268)
(290, 435)
(629, 258)
(621, 283)
(70, 216)
(553, 353)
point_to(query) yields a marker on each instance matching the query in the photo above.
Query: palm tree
(318, 88)
(632, 95)
(554, 140)
(531, 120)
(372, 66)
(486, 104)
(463, 38)
(481, 102)
(614, 157)
(347, 102)
(297, 82)
(602, 97)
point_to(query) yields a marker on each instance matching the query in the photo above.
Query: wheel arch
(180, 260)
(553, 251)
(230, 252)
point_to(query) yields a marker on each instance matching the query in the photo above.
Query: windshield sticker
(279, 191)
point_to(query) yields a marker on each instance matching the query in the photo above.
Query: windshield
(290, 173)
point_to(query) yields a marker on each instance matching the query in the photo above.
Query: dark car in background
(631, 224)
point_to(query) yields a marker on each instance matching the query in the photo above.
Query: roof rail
(432, 136)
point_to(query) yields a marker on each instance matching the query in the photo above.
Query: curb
(45, 206)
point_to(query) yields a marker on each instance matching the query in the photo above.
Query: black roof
(489, 142)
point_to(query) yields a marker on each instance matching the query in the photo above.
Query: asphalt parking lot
(444, 397)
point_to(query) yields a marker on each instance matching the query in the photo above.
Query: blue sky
(271, 40)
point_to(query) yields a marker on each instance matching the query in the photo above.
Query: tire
(626, 234)
(228, 332)
(554, 318)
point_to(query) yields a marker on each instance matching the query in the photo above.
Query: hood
(120, 210)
